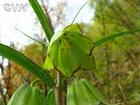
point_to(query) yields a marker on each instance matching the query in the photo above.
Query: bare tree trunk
(1, 87)
(2, 94)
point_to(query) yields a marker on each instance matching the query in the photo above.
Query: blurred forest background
(117, 72)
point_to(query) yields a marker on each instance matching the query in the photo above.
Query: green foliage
(43, 19)
(117, 71)
(18, 74)
(113, 36)
(25, 62)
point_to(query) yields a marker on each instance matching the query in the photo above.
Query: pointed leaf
(113, 36)
(44, 19)
(26, 63)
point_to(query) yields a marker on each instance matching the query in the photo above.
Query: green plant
(80, 56)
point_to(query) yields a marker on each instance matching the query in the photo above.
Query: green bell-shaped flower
(83, 92)
(28, 95)
(69, 51)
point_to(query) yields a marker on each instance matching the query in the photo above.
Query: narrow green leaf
(40, 42)
(44, 19)
(26, 63)
(113, 36)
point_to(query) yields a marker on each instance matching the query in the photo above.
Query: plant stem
(49, 31)
(58, 91)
